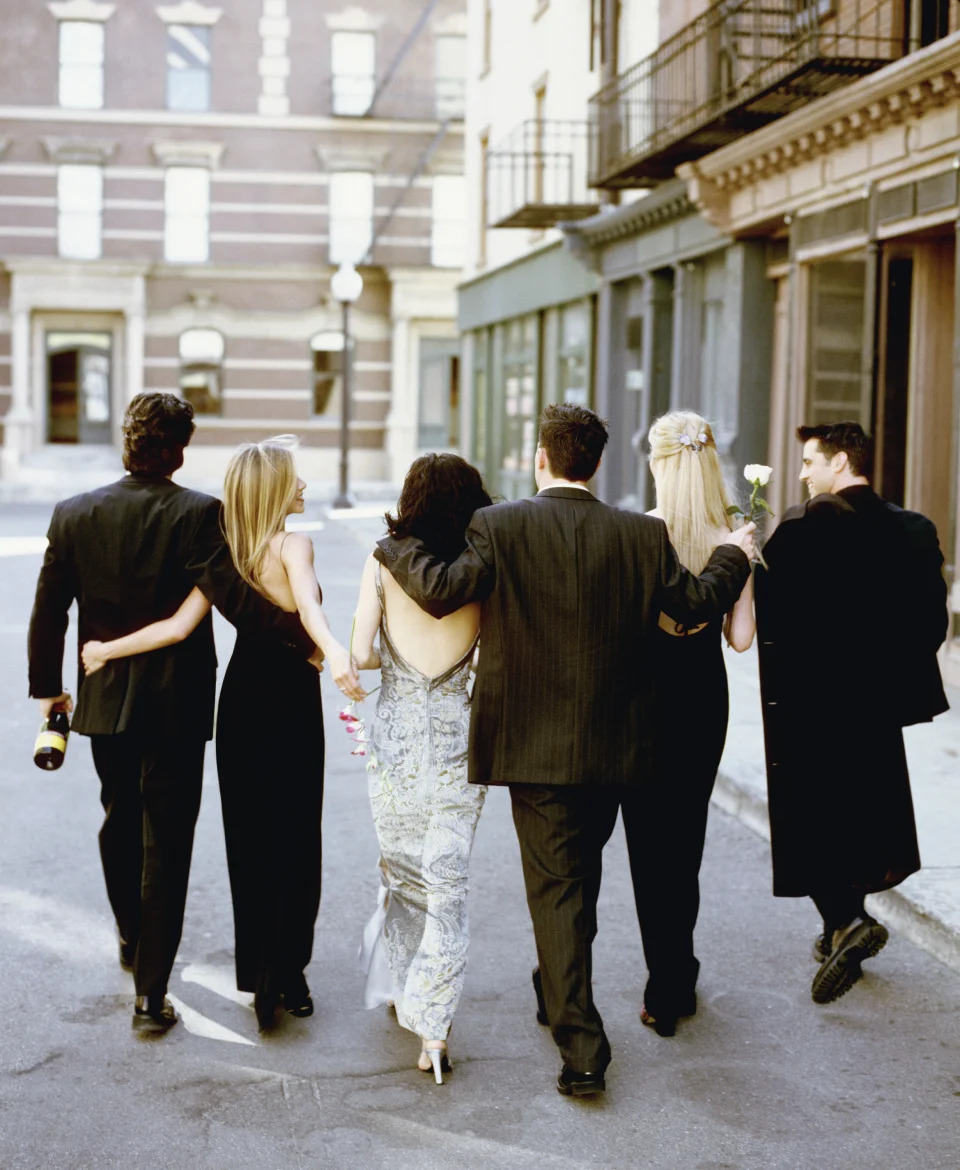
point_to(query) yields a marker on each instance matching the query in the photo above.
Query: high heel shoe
(435, 1052)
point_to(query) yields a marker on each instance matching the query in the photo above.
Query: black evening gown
(270, 755)
(670, 812)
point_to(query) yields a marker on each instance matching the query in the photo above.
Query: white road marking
(218, 980)
(22, 546)
(199, 1025)
(64, 930)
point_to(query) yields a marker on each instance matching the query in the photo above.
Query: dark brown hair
(573, 438)
(439, 495)
(849, 437)
(156, 429)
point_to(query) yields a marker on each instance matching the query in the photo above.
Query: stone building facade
(178, 183)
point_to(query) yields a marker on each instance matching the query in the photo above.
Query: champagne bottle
(51, 744)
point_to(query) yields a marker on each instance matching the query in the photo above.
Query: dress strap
(379, 581)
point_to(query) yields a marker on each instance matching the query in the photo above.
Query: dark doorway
(78, 387)
(890, 468)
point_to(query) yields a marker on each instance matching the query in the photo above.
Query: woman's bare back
(430, 645)
(273, 576)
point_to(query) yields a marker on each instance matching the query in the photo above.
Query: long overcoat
(850, 614)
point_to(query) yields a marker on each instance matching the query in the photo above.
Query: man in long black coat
(563, 704)
(129, 553)
(850, 614)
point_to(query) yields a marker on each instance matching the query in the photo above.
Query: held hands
(93, 656)
(742, 537)
(63, 700)
(316, 659)
(343, 667)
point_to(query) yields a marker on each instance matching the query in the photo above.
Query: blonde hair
(258, 490)
(691, 493)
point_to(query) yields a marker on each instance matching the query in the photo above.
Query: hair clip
(687, 442)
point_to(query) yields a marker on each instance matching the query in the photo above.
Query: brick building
(178, 183)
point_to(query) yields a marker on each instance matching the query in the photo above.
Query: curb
(902, 913)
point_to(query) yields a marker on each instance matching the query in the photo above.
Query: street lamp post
(346, 285)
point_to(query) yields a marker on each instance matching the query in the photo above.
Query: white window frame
(186, 200)
(449, 75)
(350, 209)
(79, 211)
(353, 63)
(80, 80)
(448, 221)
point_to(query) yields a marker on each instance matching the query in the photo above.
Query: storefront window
(520, 404)
(573, 358)
(439, 392)
(835, 389)
(481, 406)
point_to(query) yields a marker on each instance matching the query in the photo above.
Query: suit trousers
(150, 792)
(562, 832)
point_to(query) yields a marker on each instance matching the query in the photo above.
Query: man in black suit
(851, 611)
(562, 707)
(129, 553)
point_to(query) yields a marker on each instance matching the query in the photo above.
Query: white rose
(758, 473)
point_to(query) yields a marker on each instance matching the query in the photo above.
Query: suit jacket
(849, 615)
(129, 553)
(571, 590)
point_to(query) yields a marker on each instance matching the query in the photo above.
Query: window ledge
(173, 153)
(92, 151)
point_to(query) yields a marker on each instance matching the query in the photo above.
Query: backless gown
(414, 947)
(270, 756)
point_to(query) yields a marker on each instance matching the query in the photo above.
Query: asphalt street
(760, 1078)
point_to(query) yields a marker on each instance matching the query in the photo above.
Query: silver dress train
(415, 946)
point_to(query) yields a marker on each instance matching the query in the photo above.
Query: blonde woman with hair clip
(692, 709)
(269, 702)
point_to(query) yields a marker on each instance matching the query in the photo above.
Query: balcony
(737, 67)
(537, 176)
(361, 96)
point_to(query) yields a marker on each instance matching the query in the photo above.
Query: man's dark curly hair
(846, 436)
(440, 494)
(156, 429)
(573, 438)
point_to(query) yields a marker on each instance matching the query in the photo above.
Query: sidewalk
(926, 907)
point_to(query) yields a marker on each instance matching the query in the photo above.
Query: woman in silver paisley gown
(415, 946)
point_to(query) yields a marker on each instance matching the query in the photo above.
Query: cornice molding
(654, 210)
(174, 153)
(90, 151)
(81, 10)
(188, 12)
(903, 90)
(351, 158)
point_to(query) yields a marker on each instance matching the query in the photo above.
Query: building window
(186, 237)
(835, 386)
(439, 392)
(351, 216)
(573, 358)
(450, 65)
(446, 241)
(79, 211)
(201, 367)
(188, 66)
(520, 404)
(327, 350)
(81, 64)
(352, 62)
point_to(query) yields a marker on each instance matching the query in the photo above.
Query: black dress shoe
(128, 952)
(860, 939)
(265, 1004)
(299, 1004)
(542, 1017)
(153, 1013)
(573, 1083)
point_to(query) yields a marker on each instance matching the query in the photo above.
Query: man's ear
(840, 462)
(541, 459)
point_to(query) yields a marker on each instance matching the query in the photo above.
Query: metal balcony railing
(537, 176)
(357, 96)
(740, 65)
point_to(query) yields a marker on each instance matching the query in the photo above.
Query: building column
(134, 346)
(18, 423)
(404, 415)
(680, 358)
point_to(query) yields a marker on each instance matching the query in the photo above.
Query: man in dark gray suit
(562, 708)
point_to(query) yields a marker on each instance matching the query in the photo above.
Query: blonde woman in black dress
(269, 702)
(692, 709)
